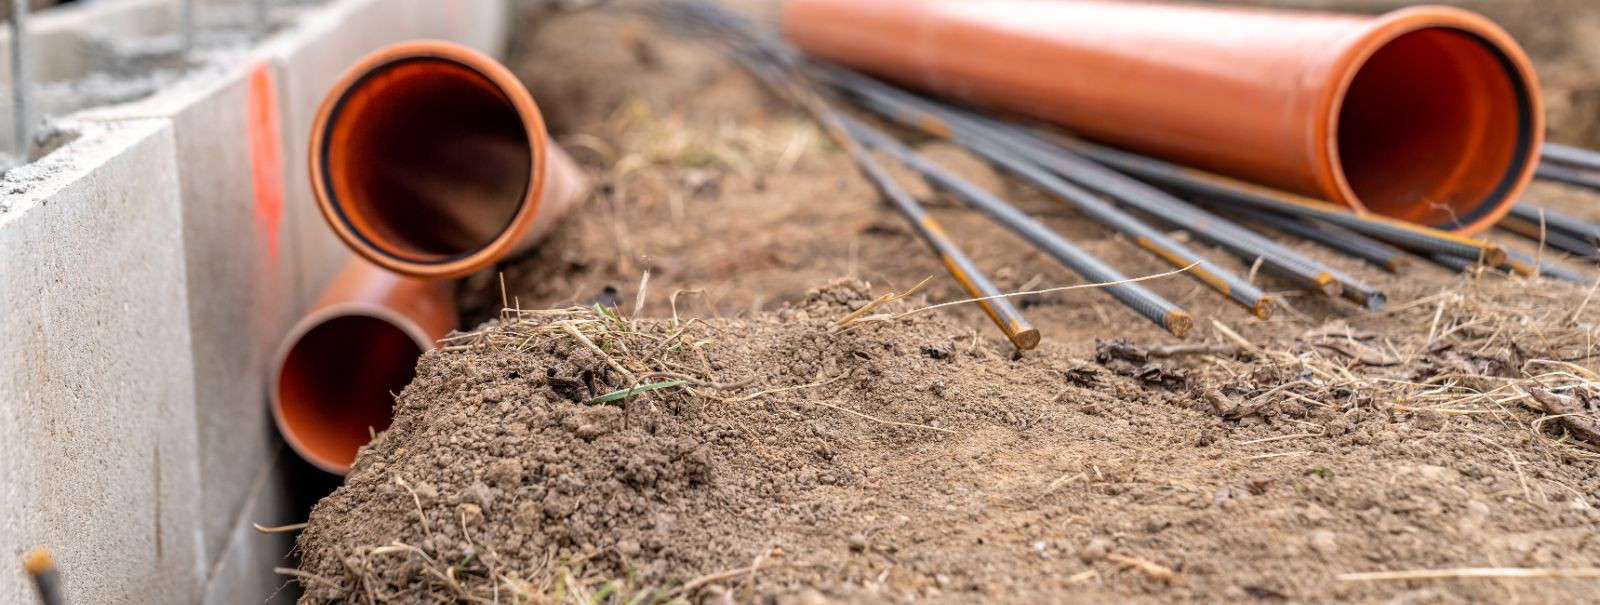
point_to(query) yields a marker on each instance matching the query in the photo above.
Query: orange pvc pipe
(431, 159)
(1427, 114)
(334, 374)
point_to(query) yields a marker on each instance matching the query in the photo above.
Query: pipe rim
(1519, 70)
(305, 326)
(451, 266)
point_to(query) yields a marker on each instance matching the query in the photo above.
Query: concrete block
(243, 572)
(240, 264)
(309, 60)
(97, 423)
(59, 35)
(480, 24)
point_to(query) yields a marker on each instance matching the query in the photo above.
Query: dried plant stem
(1470, 572)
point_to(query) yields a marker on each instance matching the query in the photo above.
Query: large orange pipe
(335, 373)
(1428, 114)
(431, 159)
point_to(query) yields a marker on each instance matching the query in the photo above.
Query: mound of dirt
(909, 459)
(499, 466)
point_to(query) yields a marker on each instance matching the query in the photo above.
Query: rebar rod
(1573, 156)
(21, 82)
(1329, 236)
(1557, 221)
(1210, 227)
(1570, 175)
(1553, 238)
(1000, 309)
(1217, 187)
(1528, 265)
(1552, 271)
(262, 12)
(41, 566)
(1146, 237)
(931, 118)
(1460, 265)
(186, 29)
(1136, 296)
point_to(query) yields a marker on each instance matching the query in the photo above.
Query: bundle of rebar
(1128, 192)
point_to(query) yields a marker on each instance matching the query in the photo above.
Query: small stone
(1040, 547)
(1095, 550)
(1478, 508)
(858, 542)
(527, 516)
(1324, 542)
(806, 477)
(628, 548)
(426, 493)
(506, 474)
(470, 514)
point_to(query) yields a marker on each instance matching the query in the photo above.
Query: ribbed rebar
(1147, 303)
(939, 120)
(1329, 236)
(1000, 309)
(1581, 177)
(21, 82)
(1574, 156)
(1553, 238)
(1207, 185)
(1527, 265)
(1237, 289)
(1557, 221)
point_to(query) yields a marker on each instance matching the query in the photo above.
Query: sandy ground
(918, 458)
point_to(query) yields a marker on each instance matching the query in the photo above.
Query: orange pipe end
(1427, 114)
(336, 372)
(431, 159)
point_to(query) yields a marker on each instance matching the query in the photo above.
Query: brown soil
(1325, 441)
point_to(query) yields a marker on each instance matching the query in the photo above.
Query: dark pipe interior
(335, 386)
(428, 159)
(1430, 127)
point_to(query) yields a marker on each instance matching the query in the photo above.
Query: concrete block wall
(97, 405)
(243, 252)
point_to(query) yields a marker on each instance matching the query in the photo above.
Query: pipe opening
(335, 383)
(427, 159)
(1434, 128)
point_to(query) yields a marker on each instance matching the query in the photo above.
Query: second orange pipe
(1427, 114)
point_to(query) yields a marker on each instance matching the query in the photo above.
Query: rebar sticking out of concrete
(21, 82)
(42, 568)
(186, 30)
(1149, 304)
(1000, 309)
(262, 10)
(431, 159)
(337, 370)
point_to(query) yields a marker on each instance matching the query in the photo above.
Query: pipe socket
(336, 373)
(431, 160)
(1427, 114)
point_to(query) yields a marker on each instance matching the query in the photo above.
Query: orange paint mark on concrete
(266, 155)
